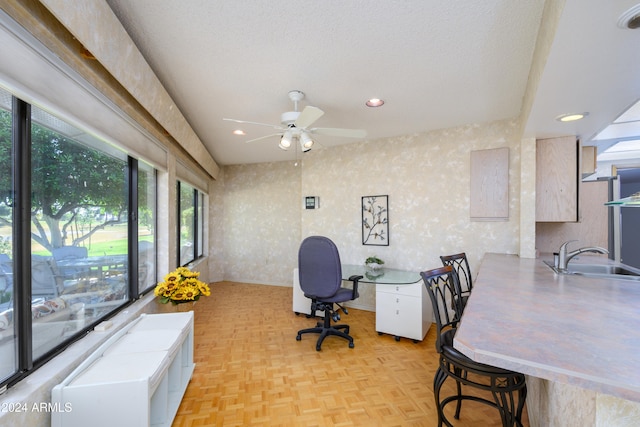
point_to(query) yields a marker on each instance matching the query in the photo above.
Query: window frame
(198, 199)
(25, 362)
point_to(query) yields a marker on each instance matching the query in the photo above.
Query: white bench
(136, 378)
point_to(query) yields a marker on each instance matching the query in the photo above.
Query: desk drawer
(413, 289)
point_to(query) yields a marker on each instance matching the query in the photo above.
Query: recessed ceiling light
(239, 132)
(630, 19)
(571, 117)
(375, 102)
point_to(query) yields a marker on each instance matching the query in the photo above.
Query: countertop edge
(530, 280)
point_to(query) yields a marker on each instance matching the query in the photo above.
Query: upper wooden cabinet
(557, 166)
(489, 195)
(589, 159)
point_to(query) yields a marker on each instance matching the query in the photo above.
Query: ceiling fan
(295, 126)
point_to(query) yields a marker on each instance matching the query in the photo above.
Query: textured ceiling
(436, 64)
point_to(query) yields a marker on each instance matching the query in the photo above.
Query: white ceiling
(436, 64)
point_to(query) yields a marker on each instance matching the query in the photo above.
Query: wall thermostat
(311, 202)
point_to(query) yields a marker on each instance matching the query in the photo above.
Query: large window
(79, 248)
(8, 341)
(67, 235)
(146, 226)
(191, 223)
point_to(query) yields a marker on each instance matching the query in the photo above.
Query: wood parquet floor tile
(251, 371)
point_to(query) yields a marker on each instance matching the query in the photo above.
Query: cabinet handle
(397, 288)
(397, 299)
(397, 311)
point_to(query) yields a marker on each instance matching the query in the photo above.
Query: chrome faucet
(564, 257)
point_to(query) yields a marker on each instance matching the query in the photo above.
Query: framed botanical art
(375, 220)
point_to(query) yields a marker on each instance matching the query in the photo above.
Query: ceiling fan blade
(308, 116)
(254, 123)
(264, 137)
(346, 133)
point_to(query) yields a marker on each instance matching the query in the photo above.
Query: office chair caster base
(341, 331)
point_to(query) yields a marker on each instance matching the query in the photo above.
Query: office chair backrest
(319, 268)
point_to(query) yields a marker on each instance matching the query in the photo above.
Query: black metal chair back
(506, 390)
(460, 265)
(444, 290)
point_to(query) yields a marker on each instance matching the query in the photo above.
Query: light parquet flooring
(251, 371)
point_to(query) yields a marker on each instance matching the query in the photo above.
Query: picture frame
(375, 220)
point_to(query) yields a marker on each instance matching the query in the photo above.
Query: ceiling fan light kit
(285, 141)
(305, 142)
(295, 126)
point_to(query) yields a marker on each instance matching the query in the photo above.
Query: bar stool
(508, 388)
(461, 267)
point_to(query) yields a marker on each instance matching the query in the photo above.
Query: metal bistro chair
(461, 267)
(508, 388)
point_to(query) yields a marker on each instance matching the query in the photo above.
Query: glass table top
(386, 276)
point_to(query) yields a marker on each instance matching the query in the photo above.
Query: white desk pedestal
(403, 310)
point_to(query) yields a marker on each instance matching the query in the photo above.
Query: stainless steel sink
(617, 271)
(600, 269)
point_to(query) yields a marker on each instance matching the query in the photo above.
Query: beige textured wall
(216, 229)
(260, 222)
(426, 177)
(527, 198)
(554, 404)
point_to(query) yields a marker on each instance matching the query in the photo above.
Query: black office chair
(320, 276)
(460, 265)
(507, 388)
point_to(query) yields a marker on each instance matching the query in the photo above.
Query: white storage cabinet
(136, 378)
(403, 310)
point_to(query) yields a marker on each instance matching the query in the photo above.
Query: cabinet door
(557, 180)
(589, 160)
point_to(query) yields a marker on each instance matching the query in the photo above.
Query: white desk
(403, 308)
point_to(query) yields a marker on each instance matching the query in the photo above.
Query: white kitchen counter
(568, 329)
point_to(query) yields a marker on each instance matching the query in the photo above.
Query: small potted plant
(374, 263)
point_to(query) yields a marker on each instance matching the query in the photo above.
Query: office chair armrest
(355, 278)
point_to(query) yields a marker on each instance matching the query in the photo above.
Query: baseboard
(364, 307)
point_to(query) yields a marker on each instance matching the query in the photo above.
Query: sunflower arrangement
(180, 286)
